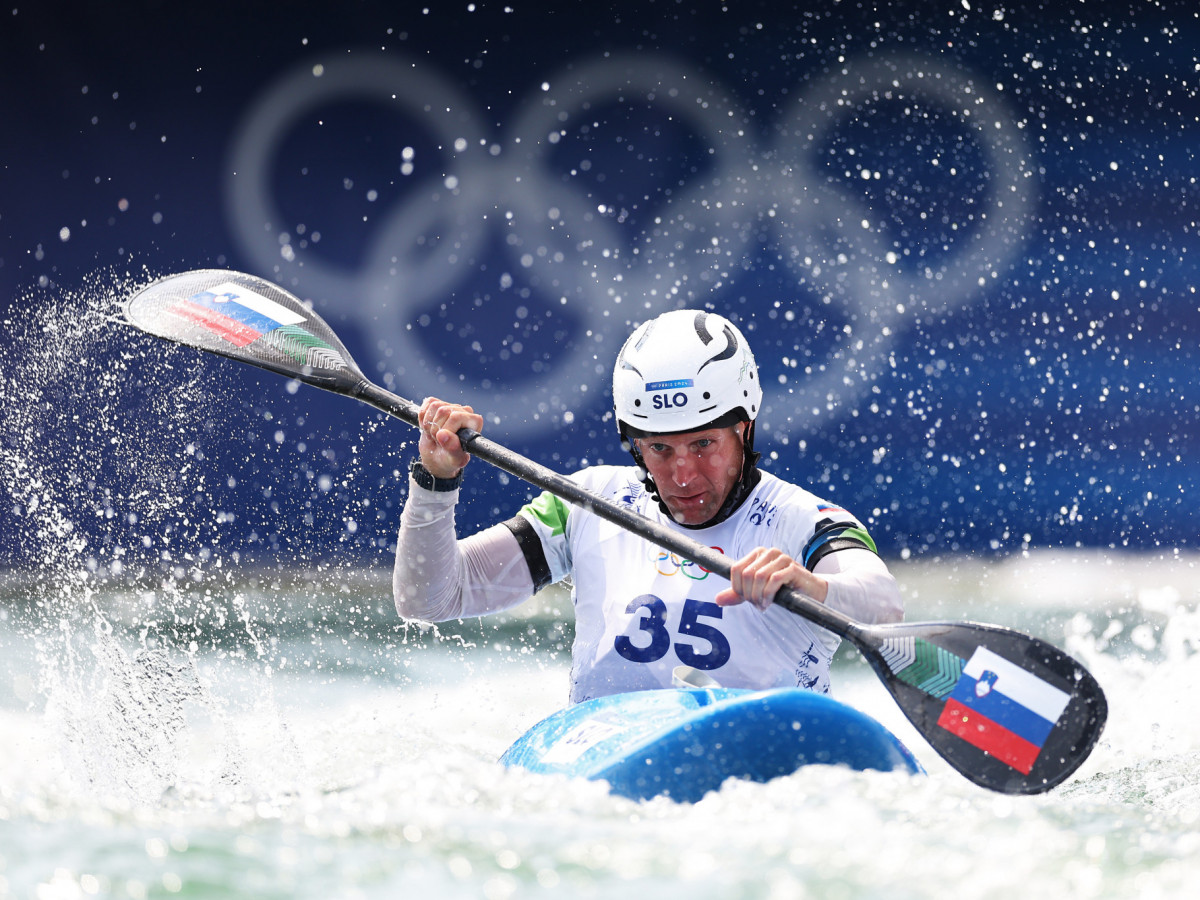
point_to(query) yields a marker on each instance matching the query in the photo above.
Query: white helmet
(685, 371)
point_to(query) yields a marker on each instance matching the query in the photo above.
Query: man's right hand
(442, 453)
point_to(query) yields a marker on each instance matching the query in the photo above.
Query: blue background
(1053, 403)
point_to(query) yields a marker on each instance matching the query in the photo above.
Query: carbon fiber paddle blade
(244, 318)
(1010, 712)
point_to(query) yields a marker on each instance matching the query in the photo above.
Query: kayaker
(687, 394)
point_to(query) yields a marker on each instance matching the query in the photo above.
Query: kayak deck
(684, 743)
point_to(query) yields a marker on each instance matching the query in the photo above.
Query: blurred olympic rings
(578, 254)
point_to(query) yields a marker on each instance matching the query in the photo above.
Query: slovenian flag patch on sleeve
(1002, 709)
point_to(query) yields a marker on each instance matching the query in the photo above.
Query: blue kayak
(686, 742)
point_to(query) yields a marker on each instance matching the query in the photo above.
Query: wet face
(694, 471)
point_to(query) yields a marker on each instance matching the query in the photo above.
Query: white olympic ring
(579, 258)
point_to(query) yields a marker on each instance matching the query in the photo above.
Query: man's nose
(683, 468)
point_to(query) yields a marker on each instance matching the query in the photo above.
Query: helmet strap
(744, 485)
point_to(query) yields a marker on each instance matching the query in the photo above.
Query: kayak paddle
(1009, 711)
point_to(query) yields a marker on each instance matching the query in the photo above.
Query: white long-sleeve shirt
(640, 611)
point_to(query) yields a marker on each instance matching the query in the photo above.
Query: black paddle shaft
(927, 667)
(920, 681)
(919, 685)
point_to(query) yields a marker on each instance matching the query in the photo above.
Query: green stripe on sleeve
(861, 534)
(550, 511)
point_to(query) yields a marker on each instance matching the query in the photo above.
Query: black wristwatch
(430, 482)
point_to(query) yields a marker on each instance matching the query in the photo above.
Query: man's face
(694, 471)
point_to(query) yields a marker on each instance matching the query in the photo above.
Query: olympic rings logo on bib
(591, 277)
(671, 564)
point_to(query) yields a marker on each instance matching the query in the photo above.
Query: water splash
(99, 460)
(96, 425)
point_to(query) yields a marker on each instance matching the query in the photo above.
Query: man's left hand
(760, 574)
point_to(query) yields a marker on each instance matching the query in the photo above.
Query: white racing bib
(641, 611)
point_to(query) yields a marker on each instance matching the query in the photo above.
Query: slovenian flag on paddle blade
(236, 313)
(1002, 709)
